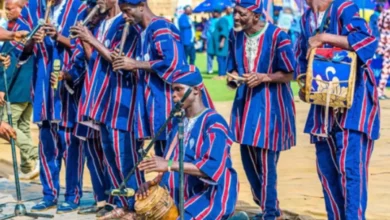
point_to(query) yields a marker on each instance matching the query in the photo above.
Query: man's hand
(255, 79)
(6, 61)
(115, 55)
(51, 31)
(229, 78)
(39, 36)
(2, 99)
(6, 131)
(20, 35)
(82, 32)
(315, 42)
(143, 190)
(53, 79)
(65, 76)
(124, 63)
(154, 164)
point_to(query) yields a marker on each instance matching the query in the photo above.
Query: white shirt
(252, 47)
(316, 23)
(188, 126)
(105, 26)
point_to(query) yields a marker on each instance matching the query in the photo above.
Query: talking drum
(158, 205)
(330, 78)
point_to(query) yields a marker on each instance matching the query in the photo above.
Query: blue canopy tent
(203, 7)
(209, 5)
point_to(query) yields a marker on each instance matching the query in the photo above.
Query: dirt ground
(298, 185)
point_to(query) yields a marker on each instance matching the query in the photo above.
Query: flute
(124, 37)
(88, 18)
(48, 8)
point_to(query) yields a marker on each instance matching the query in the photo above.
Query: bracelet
(170, 165)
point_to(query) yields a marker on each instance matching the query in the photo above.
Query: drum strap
(320, 29)
(171, 147)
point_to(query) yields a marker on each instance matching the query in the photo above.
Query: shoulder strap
(320, 29)
(171, 147)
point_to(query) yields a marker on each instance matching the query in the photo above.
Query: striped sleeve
(166, 45)
(23, 23)
(82, 12)
(77, 66)
(300, 51)
(214, 152)
(231, 62)
(356, 29)
(285, 59)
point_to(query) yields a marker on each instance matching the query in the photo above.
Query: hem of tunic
(267, 148)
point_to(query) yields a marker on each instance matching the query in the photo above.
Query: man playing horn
(109, 100)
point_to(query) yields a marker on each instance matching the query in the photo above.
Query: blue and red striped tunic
(364, 114)
(95, 98)
(159, 45)
(265, 115)
(207, 146)
(123, 85)
(49, 104)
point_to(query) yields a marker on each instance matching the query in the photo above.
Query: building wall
(167, 8)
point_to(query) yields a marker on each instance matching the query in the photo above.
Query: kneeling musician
(210, 182)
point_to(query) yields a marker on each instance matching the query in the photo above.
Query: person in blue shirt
(217, 44)
(209, 29)
(187, 34)
(374, 21)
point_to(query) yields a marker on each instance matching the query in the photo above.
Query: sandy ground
(298, 185)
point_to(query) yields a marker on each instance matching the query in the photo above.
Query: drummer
(211, 184)
(342, 157)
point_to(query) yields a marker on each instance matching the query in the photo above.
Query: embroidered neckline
(259, 33)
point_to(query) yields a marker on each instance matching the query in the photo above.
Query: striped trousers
(121, 153)
(57, 143)
(97, 168)
(342, 166)
(260, 168)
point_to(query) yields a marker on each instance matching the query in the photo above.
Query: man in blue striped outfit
(53, 105)
(342, 157)
(159, 53)
(109, 100)
(263, 114)
(211, 183)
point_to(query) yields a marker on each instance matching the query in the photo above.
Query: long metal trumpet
(91, 14)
